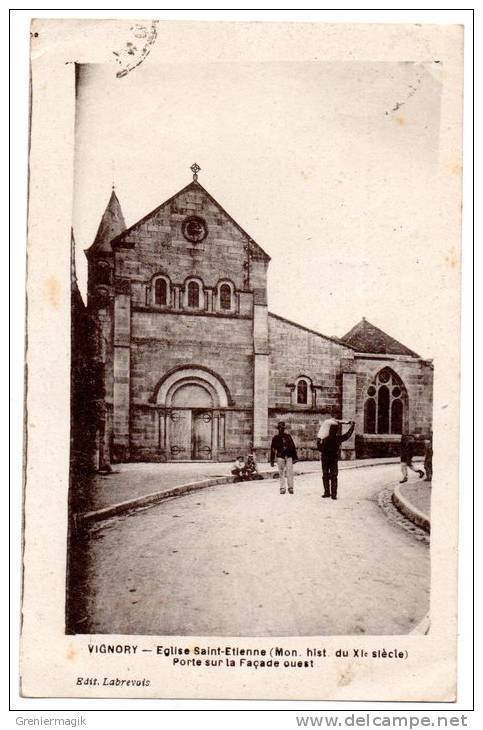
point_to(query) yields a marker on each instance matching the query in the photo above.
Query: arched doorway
(192, 415)
(190, 429)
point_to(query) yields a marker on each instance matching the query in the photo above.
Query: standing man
(329, 448)
(284, 451)
(428, 458)
(407, 453)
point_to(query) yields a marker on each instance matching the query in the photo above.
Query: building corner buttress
(349, 395)
(261, 354)
(121, 372)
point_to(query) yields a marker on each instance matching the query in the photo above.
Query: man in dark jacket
(284, 451)
(407, 453)
(329, 448)
(428, 458)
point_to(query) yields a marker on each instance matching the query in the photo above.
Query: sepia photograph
(198, 402)
(243, 341)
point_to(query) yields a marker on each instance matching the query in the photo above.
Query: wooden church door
(180, 435)
(202, 435)
(191, 423)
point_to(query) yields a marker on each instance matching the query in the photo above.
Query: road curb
(86, 518)
(149, 499)
(410, 511)
(396, 517)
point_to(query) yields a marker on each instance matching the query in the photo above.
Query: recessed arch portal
(192, 417)
(200, 373)
(191, 393)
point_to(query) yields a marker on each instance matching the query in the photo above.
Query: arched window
(225, 296)
(224, 300)
(386, 404)
(383, 410)
(397, 416)
(302, 395)
(370, 416)
(194, 295)
(161, 292)
(302, 392)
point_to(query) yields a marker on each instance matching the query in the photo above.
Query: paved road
(129, 481)
(243, 560)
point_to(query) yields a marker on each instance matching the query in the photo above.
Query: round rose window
(194, 229)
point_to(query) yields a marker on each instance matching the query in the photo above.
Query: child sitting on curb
(238, 469)
(251, 469)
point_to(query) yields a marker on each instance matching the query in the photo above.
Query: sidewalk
(132, 481)
(419, 495)
(413, 500)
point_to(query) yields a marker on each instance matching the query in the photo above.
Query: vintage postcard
(243, 348)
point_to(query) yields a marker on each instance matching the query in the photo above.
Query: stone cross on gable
(195, 168)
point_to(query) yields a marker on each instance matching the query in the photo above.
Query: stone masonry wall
(160, 248)
(294, 352)
(163, 341)
(168, 336)
(417, 377)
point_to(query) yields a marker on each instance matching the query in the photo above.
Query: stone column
(176, 297)
(122, 371)
(348, 411)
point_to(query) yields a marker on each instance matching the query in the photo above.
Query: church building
(196, 367)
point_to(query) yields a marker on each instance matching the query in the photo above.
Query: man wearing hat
(329, 448)
(284, 451)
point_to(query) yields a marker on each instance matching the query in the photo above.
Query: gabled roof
(194, 185)
(366, 337)
(336, 340)
(111, 225)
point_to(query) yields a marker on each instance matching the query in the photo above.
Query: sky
(330, 167)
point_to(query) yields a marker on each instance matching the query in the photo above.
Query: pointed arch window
(385, 407)
(397, 416)
(370, 416)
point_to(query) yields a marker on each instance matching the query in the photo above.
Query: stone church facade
(197, 368)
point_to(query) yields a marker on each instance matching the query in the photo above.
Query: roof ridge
(336, 340)
(363, 329)
(192, 184)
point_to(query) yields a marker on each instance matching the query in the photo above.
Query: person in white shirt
(238, 468)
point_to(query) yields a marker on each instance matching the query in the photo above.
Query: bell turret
(100, 255)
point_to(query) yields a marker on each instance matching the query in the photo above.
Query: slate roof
(366, 337)
(111, 225)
